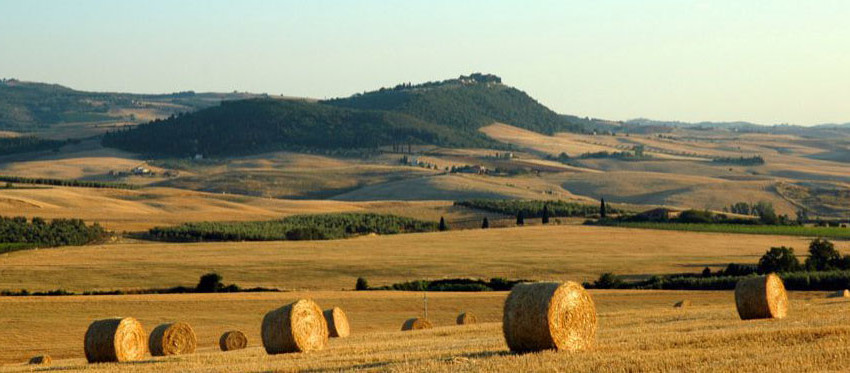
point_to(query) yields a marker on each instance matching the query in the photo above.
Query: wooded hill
(447, 113)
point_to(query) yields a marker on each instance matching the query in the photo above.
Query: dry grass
(537, 252)
(638, 331)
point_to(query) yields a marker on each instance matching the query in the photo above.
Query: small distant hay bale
(840, 294)
(337, 323)
(172, 339)
(466, 318)
(232, 340)
(549, 315)
(296, 327)
(761, 297)
(115, 340)
(682, 304)
(40, 360)
(416, 323)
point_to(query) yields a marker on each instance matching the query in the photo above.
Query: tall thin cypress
(545, 214)
(520, 218)
(485, 224)
(602, 213)
(443, 226)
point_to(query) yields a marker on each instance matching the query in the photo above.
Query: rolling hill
(447, 113)
(34, 107)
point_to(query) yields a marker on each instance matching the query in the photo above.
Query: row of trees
(39, 232)
(299, 227)
(822, 257)
(536, 209)
(23, 144)
(65, 182)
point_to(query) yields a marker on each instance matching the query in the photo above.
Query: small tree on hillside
(520, 218)
(485, 224)
(822, 255)
(545, 214)
(602, 209)
(778, 259)
(443, 226)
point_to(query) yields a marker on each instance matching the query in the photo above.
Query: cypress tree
(443, 226)
(520, 218)
(545, 214)
(602, 212)
(485, 224)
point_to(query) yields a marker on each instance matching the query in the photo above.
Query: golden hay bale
(682, 304)
(337, 323)
(840, 294)
(232, 340)
(416, 323)
(296, 327)
(466, 318)
(115, 340)
(761, 297)
(172, 339)
(40, 360)
(549, 315)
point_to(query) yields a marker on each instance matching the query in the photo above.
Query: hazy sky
(771, 61)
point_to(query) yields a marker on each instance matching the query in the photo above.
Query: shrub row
(299, 227)
(16, 233)
(534, 209)
(66, 182)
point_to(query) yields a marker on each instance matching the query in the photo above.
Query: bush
(778, 259)
(209, 283)
(608, 280)
(822, 255)
(362, 284)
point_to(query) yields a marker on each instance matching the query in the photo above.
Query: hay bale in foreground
(296, 327)
(172, 339)
(549, 315)
(115, 340)
(682, 304)
(416, 323)
(840, 294)
(761, 297)
(232, 340)
(466, 318)
(337, 323)
(40, 360)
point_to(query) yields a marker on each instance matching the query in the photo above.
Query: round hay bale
(682, 304)
(466, 318)
(549, 315)
(840, 294)
(115, 340)
(296, 327)
(761, 297)
(416, 323)
(40, 360)
(172, 339)
(232, 340)
(337, 323)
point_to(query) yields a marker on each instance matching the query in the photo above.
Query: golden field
(638, 331)
(534, 252)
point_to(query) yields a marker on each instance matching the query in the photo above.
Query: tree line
(17, 233)
(66, 182)
(296, 228)
(523, 209)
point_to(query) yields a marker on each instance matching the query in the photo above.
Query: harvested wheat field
(534, 252)
(638, 331)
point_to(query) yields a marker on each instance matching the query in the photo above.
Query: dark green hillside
(447, 113)
(466, 103)
(260, 125)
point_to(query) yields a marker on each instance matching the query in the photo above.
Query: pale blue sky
(766, 61)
